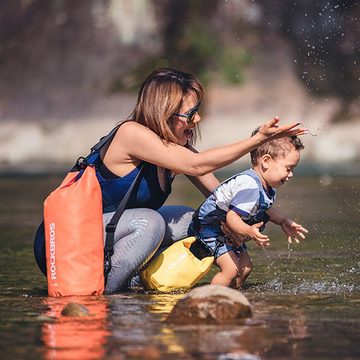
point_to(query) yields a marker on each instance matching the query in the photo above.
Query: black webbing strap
(82, 162)
(111, 226)
(98, 146)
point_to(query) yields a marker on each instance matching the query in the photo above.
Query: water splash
(266, 255)
(314, 132)
(289, 250)
(306, 287)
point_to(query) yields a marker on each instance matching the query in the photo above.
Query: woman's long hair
(160, 96)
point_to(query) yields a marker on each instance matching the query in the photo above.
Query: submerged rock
(210, 304)
(74, 309)
(149, 352)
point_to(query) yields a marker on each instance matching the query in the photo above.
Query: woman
(160, 134)
(158, 138)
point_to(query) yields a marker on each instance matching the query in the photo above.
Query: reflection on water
(69, 338)
(305, 299)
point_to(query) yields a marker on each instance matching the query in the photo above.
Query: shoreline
(304, 169)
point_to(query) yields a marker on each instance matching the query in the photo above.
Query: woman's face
(182, 129)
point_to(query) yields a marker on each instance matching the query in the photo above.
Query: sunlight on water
(303, 295)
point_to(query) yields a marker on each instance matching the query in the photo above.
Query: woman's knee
(139, 223)
(150, 222)
(156, 223)
(177, 220)
(176, 214)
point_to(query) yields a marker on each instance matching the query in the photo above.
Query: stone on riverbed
(74, 309)
(210, 304)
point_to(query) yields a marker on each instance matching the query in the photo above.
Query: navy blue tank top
(147, 194)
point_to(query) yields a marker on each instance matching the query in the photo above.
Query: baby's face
(281, 169)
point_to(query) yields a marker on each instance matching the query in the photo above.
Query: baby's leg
(230, 268)
(245, 267)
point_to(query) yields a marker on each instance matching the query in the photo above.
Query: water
(305, 298)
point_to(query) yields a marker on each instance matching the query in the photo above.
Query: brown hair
(275, 148)
(160, 96)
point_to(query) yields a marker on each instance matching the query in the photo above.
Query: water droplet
(289, 250)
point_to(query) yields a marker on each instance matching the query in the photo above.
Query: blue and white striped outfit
(244, 194)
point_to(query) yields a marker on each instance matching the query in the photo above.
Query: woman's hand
(271, 130)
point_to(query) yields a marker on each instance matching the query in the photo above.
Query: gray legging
(139, 233)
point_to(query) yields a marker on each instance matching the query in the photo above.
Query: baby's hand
(293, 230)
(261, 240)
(232, 237)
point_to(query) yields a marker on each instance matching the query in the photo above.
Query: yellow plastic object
(175, 268)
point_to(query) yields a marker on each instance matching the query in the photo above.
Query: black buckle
(110, 228)
(200, 250)
(81, 163)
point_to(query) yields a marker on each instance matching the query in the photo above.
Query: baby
(244, 202)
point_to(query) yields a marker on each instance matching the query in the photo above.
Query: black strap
(102, 142)
(111, 226)
(82, 162)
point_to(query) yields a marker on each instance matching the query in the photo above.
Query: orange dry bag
(71, 238)
(74, 236)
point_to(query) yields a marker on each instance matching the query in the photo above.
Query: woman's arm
(135, 141)
(205, 184)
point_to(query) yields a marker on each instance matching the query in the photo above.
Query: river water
(305, 298)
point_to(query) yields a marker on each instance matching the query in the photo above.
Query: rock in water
(210, 304)
(74, 309)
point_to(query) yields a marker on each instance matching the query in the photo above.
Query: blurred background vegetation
(59, 57)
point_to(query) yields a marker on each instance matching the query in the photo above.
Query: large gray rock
(210, 304)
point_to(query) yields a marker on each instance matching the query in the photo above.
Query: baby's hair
(275, 148)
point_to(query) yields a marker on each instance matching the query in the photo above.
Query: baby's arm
(242, 230)
(293, 230)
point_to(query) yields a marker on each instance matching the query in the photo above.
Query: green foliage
(197, 49)
(232, 64)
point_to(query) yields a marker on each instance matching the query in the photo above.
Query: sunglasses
(190, 115)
